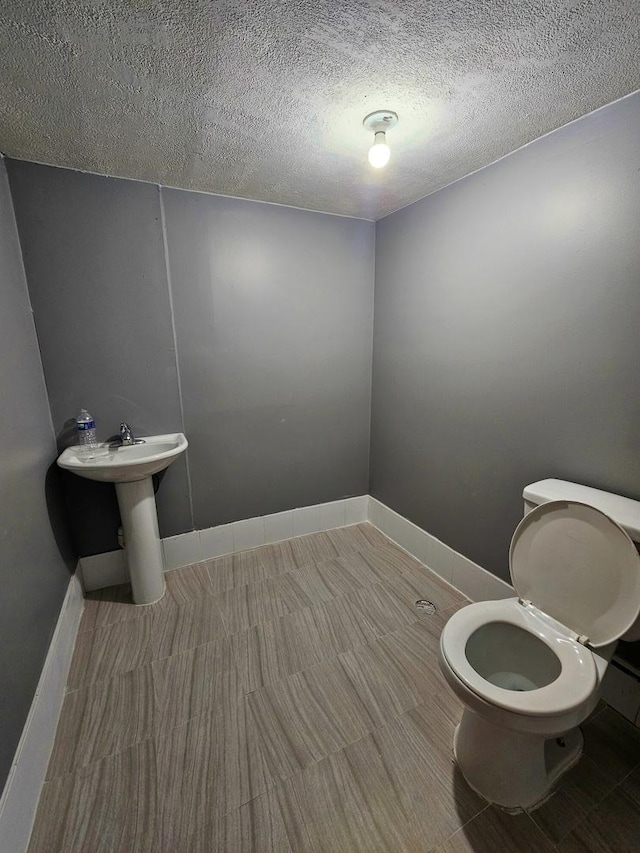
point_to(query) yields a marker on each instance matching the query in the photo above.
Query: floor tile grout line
(151, 661)
(100, 683)
(190, 650)
(166, 608)
(85, 685)
(133, 618)
(293, 572)
(612, 783)
(363, 586)
(378, 638)
(485, 808)
(213, 559)
(616, 787)
(622, 781)
(376, 727)
(228, 633)
(82, 768)
(338, 555)
(279, 782)
(587, 811)
(229, 637)
(213, 592)
(542, 830)
(279, 574)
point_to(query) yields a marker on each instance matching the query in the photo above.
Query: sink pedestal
(143, 549)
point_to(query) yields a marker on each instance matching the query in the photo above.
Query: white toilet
(529, 669)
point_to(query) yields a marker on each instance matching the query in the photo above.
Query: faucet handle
(125, 438)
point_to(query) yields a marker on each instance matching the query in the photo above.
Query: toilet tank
(625, 511)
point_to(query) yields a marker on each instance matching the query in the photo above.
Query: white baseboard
(475, 582)
(22, 790)
(471, 579)
(110, 568)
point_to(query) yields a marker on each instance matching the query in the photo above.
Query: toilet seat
(580, 567)
(573, 686)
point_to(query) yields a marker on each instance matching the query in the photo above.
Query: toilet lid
(577, 565)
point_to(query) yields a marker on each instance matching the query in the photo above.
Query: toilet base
(511, 769)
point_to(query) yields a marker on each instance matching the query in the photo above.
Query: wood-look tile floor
(288, 700)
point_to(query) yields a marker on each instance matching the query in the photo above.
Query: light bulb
(379, 152)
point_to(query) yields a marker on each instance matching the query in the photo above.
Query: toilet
(529, 669)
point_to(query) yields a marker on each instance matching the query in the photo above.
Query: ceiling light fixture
(378, 123)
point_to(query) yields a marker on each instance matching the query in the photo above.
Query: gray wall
(507, 335)
(94, 257)
(33, 572)
(272, 310)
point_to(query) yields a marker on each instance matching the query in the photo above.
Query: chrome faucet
(126, 436)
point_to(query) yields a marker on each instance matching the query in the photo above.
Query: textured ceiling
(265, 100)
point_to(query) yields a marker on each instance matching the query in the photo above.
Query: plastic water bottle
(86, 429)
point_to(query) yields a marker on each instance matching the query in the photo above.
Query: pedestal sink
(130, 467)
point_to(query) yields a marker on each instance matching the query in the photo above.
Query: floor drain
(426, 608)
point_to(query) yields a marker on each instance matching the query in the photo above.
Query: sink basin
(124, 464)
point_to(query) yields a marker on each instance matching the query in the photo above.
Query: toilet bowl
(528, 670)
